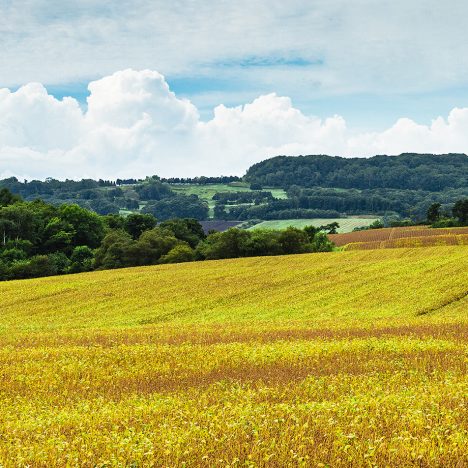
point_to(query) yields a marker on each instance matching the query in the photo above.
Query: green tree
(377, 224)
(294, 241)
(104, 207)
(228, 244)
(7, 198)
(154, 190)
(460, 211)
(20, 221)
(311, 232)
(321, 243)
(81, 259)
(179, 254)
(135, 224)
(219, 212)
(37, 266)
(262, 242)
(13, 255)
(21, 244)
(188, 230)
(61, 262)
(178, 206)
(114, 221)
(6, 228)
(330, 228)
(433, 213)
(152, 245)
(113, 250)
(4, 271)
(58, 235)
(88, 226)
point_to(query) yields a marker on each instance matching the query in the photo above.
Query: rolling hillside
(335, 359)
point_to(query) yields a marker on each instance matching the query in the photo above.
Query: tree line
(317, 186)
(40, 239)
(331, 202)
(407, 171)
(104, 197)
(456, 216)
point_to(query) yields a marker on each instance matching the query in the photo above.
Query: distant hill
(427, 172)
(280, 188)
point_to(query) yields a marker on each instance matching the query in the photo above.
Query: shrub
(40, 265)
(179, 254)
(82, 259)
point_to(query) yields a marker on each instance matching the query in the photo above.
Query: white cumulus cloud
(31, 118)
(134, 125)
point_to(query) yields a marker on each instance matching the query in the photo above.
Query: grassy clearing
(206, 192)
(340, 359)
(346, 224)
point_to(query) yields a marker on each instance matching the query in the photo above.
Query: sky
(201, 87)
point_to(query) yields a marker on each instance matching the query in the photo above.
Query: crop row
(375, 235)
(424, 241)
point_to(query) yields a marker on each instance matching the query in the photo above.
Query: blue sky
(338, 56)
(370, 63)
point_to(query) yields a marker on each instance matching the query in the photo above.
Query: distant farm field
(218, 225)
(337, 359)
(346, 224)
(417, 241)
(412, 236)
(206, 192)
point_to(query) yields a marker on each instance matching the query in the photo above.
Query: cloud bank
(134, 126)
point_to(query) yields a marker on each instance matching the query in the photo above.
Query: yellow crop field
(355, 358)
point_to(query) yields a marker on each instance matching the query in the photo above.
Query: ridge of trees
(411, 171)
(397, 187)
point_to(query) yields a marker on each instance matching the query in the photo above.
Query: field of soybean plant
(356, 358)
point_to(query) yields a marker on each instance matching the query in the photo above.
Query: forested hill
(428, 172)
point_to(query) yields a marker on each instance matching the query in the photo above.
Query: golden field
(355, 358)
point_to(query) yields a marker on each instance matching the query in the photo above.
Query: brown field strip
(392, 234)
(410, 242)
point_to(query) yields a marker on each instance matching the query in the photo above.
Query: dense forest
(407, 171)
(320, 202)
